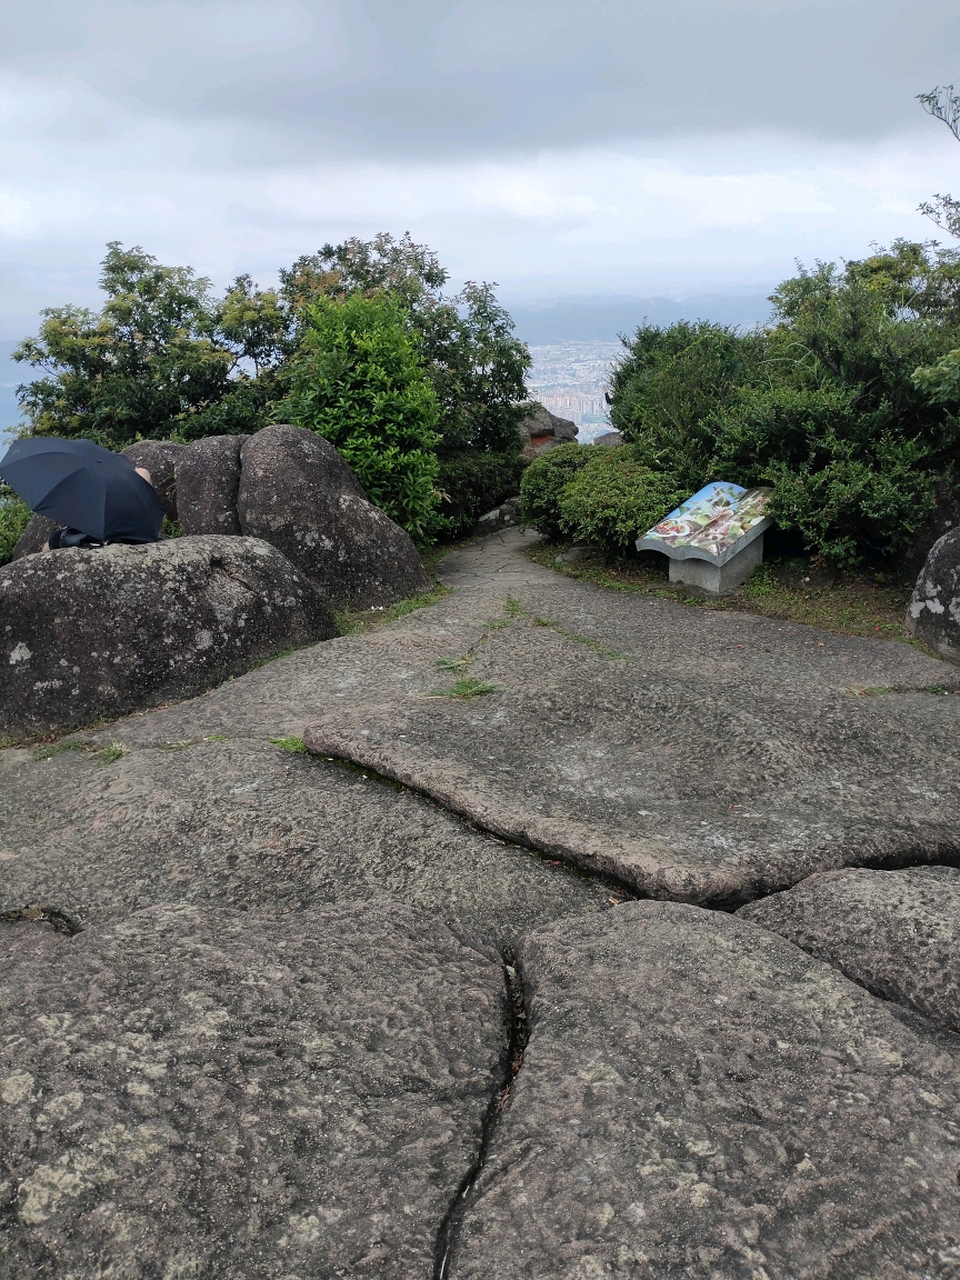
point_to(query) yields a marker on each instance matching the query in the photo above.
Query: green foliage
(474, 482)
(358, 380)
(475, 365)
(14, 515)
(615, 499)
(294, 745)
(544, 481)
(163, 358)
(838, 404)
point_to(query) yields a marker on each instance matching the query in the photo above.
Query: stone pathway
(361, 1013)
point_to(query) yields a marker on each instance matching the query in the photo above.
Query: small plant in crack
(451, 664)
(112, 752)
(294, 745)
(466, 687)
(58, 748)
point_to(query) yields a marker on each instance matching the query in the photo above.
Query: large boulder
(298, 493)
(541, 430)
(933, 614)
(207, 484)
(91, 634)
(160, 458)
(195, 1092)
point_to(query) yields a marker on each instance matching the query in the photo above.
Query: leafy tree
(358, 380)
(162, 358)
(475, 364)
(826, 403)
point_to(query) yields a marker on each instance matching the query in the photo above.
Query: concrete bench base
(718, 580)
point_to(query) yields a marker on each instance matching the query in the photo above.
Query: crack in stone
(450, 1226)
(40, 912)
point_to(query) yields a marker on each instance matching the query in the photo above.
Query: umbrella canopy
(78, 484)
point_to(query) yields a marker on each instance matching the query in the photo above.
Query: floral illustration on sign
(714, 519)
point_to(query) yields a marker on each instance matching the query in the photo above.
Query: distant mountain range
(605, 318)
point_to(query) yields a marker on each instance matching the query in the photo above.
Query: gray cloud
(429, 78)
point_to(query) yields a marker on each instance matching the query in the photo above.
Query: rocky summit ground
(593, 935)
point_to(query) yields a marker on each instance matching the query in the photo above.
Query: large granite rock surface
(241, 822)
(700, 1100)
(298, 493)
(208, 482)
(897, 933)
(91, 634)
(198, 1092)
(933, 614)
(705, 757)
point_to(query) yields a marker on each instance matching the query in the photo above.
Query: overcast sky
(621, 146)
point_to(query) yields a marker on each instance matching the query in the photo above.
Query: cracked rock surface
(243, 823)
(699, 1099)
(897, 933)
(193, 1093)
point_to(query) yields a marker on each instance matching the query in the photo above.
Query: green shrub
(615, 499)
(358, 381)
(544, 481)
(14, 515)
(473, 483)
(841, 403)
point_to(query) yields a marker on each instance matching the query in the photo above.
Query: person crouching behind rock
(74, 538)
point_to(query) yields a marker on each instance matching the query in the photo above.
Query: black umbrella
(78, 484)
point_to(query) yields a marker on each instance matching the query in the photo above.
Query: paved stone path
(385, 1009)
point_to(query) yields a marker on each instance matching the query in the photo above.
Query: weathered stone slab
(701, 1100)
(298, 493)
(247, 824)
(91, 634)
(897, 933)
(214, 1093)
(208, 482)
(714, 777)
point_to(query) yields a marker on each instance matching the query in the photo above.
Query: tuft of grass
(451, 664)
(356, 621)
(219, 737)
(48, 751)
(295, 745)
(112, 752)
(464, 688)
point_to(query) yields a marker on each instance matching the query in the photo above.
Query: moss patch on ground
(788, 590)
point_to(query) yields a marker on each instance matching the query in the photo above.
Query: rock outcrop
(541, 430)
(197, 1092)
(933, 614)
(897, 933)
(208, 483)
(298, 493)
(700, 1099)
(89, 634)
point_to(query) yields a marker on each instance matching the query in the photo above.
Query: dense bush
(827, 404)
(473, 482)
(14, 515)
(544, 481)
(606, 497)
(615, 499)
(358, 381)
